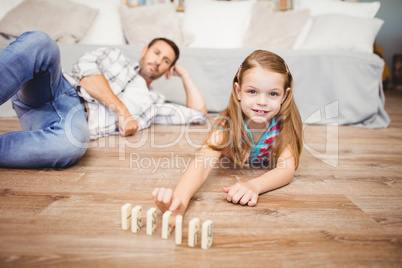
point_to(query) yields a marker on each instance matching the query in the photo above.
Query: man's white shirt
(145, 104)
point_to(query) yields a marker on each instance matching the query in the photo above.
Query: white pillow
(64, 21)
(7, 5)
(144, 23)
(318, 7)
(297, 3)
(343, 32)
(106, 28)
(217, 24)
(274, 30)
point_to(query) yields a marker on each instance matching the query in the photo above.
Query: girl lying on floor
(261, 124)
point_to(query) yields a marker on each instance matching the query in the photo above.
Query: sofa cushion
(144, 23)
(63, 20)
(272, 30)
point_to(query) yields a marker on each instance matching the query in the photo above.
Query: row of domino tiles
(132, 217)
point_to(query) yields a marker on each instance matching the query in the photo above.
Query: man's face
(156, 60)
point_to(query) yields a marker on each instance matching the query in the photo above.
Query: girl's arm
(248, 192)
(192, 180)
(189, 183)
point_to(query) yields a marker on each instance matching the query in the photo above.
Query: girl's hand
(164, 200)
(242, 193)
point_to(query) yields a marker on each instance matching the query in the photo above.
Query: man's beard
(149, 74)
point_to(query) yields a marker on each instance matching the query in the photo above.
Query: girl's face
(261, 95)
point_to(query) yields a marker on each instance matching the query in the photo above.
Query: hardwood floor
(342, 209)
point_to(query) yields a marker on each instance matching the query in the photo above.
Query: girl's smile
(260, 112)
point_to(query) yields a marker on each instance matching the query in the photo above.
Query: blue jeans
(53, 118)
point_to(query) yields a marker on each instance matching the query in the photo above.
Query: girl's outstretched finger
(167, 198)
(161, 194)
(175, 204)
(155, 193)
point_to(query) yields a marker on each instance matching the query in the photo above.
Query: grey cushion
(63, 20)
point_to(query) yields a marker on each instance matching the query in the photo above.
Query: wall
(390, 35)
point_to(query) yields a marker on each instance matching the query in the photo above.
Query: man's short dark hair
(170, 43)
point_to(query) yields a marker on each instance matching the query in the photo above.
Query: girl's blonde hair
(236, 138)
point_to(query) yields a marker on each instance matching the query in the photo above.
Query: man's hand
(98, 87)
(176, 70)
(194, 98)
(127, 125)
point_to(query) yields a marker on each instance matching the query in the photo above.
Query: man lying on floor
(105, 95)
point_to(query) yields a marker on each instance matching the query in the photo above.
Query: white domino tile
(132, 217)
(151, 221)
(166, 224)
(126, 216)
(193, 232)
(136, 219)
(206, 236)
(179, 229)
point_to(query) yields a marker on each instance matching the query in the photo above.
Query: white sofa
(337, 76)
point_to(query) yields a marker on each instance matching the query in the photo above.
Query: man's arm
(89, 70)
(194, 98)
(98, 87)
